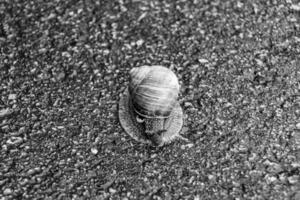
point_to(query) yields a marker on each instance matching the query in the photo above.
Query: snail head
(154, 128)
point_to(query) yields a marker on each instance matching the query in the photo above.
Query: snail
(149, 110)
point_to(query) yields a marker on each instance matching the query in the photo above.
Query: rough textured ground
(63, 65)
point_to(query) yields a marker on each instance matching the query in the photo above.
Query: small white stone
(14, 141)
(4, 112)
(142, 16)
(66, 54)
(186, 146)
(211, 177)
(295, 7)
(298, 126)
(7, 191)
(202, 60)
(189, 145)
(239, 4)
(293, 179)
(51, 16)
(4, 147)
(112, 190)
(197, 197)
(140, 42)
(94, 151)
(153, 156)
(60, 127)
(12, 96)
(188, 104)
(259, 62)
(272, 179)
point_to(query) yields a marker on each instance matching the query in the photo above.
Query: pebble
(5, 128)
(112, 190)
(260, 62)
(94, 151)
(7, 191)
(14, 141)
(12, 96)
(51, 16)
(295, 7)
(202, 60)
(2, 182)
(33, 171)
(5, 112)
(293, 179)
(188, 105)
(272, 179)
(24, 182)
(153, 156)
(140, 42)
(42, 50)
(4, 147)
(187, 146)
(22, 130)
(211, 177)
(298, 126)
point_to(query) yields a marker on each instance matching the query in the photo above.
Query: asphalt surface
(64, 64)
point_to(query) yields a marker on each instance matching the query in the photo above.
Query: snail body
(152, 99)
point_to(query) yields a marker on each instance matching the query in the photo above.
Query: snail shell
(153, 90)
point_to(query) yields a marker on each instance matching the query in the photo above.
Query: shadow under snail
(149, 110)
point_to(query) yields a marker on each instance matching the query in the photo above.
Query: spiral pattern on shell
(153, 90)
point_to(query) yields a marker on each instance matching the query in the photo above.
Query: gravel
(64, 64)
